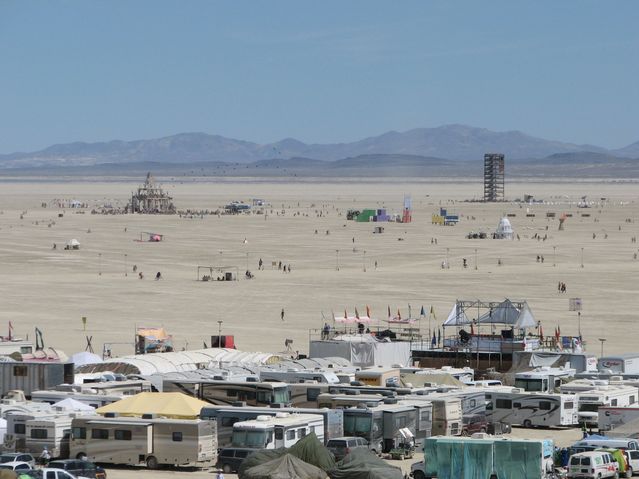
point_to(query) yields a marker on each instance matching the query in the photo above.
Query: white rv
(532, 409)
(150, 441)
(544, 379)
(293, 375)
(589, 402)
(52, 433)
(447, 416)
(273, 432)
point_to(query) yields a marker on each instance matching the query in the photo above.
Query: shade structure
(170, 405)
(508, 314)
(286, 466)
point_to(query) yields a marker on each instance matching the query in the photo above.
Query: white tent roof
(70, 404)
(456, 318)
(507, 313)
(74, 242)
(504, 226)
(85, 357)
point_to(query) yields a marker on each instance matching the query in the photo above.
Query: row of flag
(422, 312)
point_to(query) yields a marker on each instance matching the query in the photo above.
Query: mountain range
(424, 149)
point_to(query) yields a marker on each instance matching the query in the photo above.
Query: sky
(321, 72)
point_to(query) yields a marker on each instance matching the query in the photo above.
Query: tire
(227, 468)
(81, 456)
(419, 475)
(151, 462)
(629, 472)
(527, 424)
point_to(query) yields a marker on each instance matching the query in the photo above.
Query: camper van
(149, 441)
(227, 416)
(274, 432)
(544, 379)
(380, 425)
(225, 393)
(532, 409)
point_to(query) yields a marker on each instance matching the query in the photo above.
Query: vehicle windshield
(280, 395)
(588, 407)
(357, 425)
(8, 457)
(529, 384)
(255, 439)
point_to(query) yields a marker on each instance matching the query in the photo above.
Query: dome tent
(504, 230)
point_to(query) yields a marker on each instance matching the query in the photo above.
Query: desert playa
(305, 226)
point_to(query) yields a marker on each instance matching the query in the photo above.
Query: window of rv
(19, 428)
(256, 439)
(99, 434)
(588, 407)
(79, 432)
(281, 395)
(177, 436)
(531, 384)
(356, 425)
(122, 435)
(39, 434)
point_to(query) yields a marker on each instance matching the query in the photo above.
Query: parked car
(341, 446)
(475, 424)
(417, 470)
(17, 456)
(50, 473)
(593, 465)
(79, 468)
(632, 462)
(230, 458)
(16, 466)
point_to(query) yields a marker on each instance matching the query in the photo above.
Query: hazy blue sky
(322, 71)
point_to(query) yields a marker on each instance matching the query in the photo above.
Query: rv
(532, 409)
(592, 443)
(293, 376)
(424, 418)
(589, 402)
(52, 433)
(93, 394)
(227, 416)
(447, 416)
(274, 432)
(378, 377)
(150, 441)
(15, 345)
(625, 364)
(305, 395)
(465, 375)
(15, 439)
(544, 379)
(225, 393)
(609, 418)
(341, 401)
(380, 425)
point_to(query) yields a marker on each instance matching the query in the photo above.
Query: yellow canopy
(170, 405)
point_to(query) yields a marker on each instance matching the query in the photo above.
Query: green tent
(284, 467)
(312, 451)
(260, 456)
(363, 464)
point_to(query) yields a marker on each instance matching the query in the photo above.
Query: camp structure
(169, 405)
(152, 340)
(217, 273)
(504, 230)
(73, 244)
(444, 219)
(363, 464)
(150, 198)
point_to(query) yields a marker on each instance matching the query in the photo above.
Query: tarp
(363, 464)
(70, 404)
(154, 334)
(518, 458)
(170, 405)
(311, 450)
(286, 466)
(85, 357)
(465, 459)
(366, 353)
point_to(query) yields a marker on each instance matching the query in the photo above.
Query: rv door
(149, 439)
(279, 437)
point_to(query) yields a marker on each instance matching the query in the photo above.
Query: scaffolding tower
(494, 177)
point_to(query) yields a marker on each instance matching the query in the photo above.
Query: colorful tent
(170, 405)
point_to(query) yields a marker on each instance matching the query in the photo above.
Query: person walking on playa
(282, 314)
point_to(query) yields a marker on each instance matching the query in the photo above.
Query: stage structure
(494, 177)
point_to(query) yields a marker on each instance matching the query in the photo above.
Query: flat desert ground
(53, 289)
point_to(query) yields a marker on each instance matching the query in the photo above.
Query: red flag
(399, 315)
(558, 331)
(356, 313)
(368, 311)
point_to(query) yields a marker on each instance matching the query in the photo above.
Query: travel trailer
(544, 379)
(15, 345)
(596, 442)
(274, 432)
(532, 409)
(150, 441)
(609, 417)
(589, 402)
(15, 439)
(253, 393)
(624, 364)
(227, 416)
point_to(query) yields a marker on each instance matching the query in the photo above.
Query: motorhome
(150, 441)
(589, 402)
(609, 418)
(274, 432)
(341, 401)
(253, 393)
(226, 416)
(292, 376)
(15, 345)
(596, 442)
(52, 433)
(15, 439)
(532, 409)
(378, 377)
(305, 395)
(447, 416)
(380, 425)
(543, 379)
(424, 418)
(92, 394)
(464, 375)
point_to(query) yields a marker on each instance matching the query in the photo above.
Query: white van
(592, 465)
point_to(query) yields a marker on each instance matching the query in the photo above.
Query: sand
(53, 289)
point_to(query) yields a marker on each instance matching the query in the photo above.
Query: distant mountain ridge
(448, 142)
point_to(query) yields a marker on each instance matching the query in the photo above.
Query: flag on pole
(410, 314)
(422, 312)
(399, 315)
(432, 312)
(541, 333)
(389, 313)
(345, 314)
(10, 330)
(356, 313)
(368, 311)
